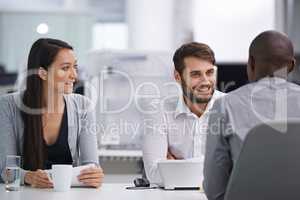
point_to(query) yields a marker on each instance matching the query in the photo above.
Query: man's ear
(177, 76)
(251, 68)
(292, 66)
(251, 63)
(42, 73)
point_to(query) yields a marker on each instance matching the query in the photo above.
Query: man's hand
(170, 156)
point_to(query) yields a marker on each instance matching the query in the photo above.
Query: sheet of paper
(75, 173)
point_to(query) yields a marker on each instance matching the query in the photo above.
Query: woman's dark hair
(42, 54)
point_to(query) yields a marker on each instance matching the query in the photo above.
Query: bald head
(270, 52)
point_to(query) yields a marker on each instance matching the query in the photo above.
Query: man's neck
(196, 108)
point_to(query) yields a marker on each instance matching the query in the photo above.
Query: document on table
(75, 172)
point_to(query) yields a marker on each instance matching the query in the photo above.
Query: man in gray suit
(266, 98)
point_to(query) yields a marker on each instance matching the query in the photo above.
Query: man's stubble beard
(192, 97)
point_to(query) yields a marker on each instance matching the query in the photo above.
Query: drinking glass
(12, 173)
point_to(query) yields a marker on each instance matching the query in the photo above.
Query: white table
(106, 192)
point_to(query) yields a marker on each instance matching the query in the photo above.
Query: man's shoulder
(218, 94)
(221, 99)
(239, 92)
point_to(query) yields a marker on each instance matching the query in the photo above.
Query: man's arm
(155, 146)
(218, 162)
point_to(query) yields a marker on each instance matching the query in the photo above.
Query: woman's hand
(92, 176)
(38, 179)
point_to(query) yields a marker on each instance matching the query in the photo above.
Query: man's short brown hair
(193, 49)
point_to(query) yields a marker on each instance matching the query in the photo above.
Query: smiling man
(178, 129)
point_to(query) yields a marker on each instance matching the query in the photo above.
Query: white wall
(183, 19)
(295, 26)
(18, 32)
(150, 24)
(159, 25)
(229, 26)
(43, 5)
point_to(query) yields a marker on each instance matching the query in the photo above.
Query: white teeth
(203, 89)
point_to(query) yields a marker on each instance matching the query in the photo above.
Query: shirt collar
(183, 109)
(272, 80)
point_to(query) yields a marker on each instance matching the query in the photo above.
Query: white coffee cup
(61, 177)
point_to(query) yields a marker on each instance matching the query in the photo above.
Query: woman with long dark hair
(46, 124)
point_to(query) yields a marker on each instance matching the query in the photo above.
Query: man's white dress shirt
(175, 128)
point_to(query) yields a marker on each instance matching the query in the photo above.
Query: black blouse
(59, 152)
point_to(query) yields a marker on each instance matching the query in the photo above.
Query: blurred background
(124, 50)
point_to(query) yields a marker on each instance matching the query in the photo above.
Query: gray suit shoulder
(219, 94)
(9, 101)
(8, 97)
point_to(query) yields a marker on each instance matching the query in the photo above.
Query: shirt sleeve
(218, 163)
(154, 145)
(88, 148)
